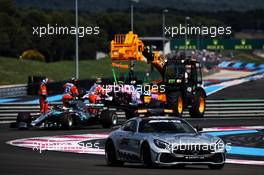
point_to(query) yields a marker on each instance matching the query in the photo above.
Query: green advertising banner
(217, 44)
(213, 44)
(181, 44)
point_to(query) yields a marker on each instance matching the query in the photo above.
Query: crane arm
(128, 47)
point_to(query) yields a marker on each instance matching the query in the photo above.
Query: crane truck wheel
(198, 106)
(175, 101)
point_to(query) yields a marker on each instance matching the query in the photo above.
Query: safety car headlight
(218, 146)
(161, 144)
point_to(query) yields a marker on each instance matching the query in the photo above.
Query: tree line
(16, 27)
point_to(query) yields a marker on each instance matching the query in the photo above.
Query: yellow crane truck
(181, 77)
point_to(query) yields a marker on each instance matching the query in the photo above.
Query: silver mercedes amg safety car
(163, 141)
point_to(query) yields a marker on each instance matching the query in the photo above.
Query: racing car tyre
(108, 118)
(216, 166)
(175, 101)
(198, 105)
(130, 113)
(66, 121)
(146, 156)
(110, 155)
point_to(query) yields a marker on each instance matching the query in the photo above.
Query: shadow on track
(139, 166)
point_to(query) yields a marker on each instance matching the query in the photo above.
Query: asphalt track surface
(252, 89)
(15, 160)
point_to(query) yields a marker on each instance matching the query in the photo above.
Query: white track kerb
(90, 143)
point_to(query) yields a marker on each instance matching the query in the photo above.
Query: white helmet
(45, 80)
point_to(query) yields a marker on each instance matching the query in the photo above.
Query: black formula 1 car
(77, 114)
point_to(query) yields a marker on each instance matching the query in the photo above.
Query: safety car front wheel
(110, 155)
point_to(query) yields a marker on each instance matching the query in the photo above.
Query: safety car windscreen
(165, 126)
